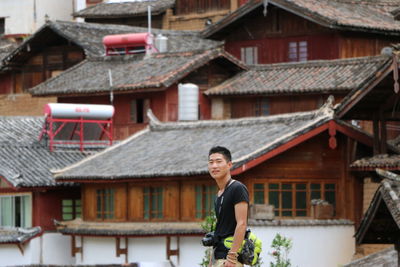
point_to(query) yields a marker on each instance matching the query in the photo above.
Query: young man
(231, 208)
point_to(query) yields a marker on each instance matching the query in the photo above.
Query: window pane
(67, 210)
(301, 186)
(287, 213)
(6, 211)
(146, 203)
(199, 206)
(259, 194)
(330, 197)
(160, 203)
(273, 186)
(273, 199)
(286, 200)
(301, 199)
(287, 186)
(67, 202)
(315, 187)
(329, 186)
(67, 217)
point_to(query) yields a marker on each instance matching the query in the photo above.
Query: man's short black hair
(221, 150)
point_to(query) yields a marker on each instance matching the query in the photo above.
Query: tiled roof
(24, 162)
(382, 218)
(112, 10)
(78, 226)
(386, 257)
(136, 157)
(383, 161)
(129, 72)
(17, 235)
(6, 47)
(324, 76)
(358, 15)
(89, 36)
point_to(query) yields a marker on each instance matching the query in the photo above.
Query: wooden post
(383, 134)
(375, 122)
(397, 248)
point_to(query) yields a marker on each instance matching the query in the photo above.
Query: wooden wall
(311, 161)
(47, 205)
(273, 33)
(183, 7)
(245, 106)
(140, 21)
(39, 67)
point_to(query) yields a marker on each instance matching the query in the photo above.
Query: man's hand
(229, 264)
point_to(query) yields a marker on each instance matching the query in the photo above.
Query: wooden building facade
(285, 31)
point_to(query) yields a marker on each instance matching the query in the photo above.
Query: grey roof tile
(25, 162)
(129, 72)
(361, 15)
(383, 161)
(113, 10)
(320, 76)
(78, 226)
(89, 36)
(136, 157)
(17, 235)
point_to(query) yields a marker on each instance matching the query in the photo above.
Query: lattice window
(71, 209)
(153, 203)
(205, 197)
(293, 199)
(298, 51)
(105, 203)
(249, 55)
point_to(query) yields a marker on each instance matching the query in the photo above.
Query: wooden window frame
(208, 193)
(298, 51)
(25, 219)
(244, 55)
(153, 194)
(280, 210)
(2, 25)
(76, 209)
(262, 107)
(103, 214)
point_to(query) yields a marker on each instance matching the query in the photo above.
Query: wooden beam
(21, 248)
(172, 252)
(74, 248)
(121, 251)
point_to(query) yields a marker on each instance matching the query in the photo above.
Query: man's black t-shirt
(224, 206)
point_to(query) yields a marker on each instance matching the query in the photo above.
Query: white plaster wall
(50, 248)
(56, 249)
(316, 246)
(20, 15)
(11, 255)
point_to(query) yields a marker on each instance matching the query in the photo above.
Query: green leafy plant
(281, 247)
(208, 225)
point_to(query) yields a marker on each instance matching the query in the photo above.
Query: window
(293, 199)
(153, 203)
(105, 203)
(16, 211)
(205, 197)
(297, 51)
(2, 26)
(71, 209)
(261, 107)
(138, 110)
(249, 55)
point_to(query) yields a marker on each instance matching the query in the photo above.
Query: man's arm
(241, 209)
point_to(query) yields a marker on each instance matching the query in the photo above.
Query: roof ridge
(324, 111)
(320, 62)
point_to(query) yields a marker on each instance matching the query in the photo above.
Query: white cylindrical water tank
(86, 111)
(188, 102)
(161, 43)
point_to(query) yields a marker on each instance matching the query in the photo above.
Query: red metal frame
(50, 130)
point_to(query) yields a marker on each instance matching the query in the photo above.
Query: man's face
(218, 167)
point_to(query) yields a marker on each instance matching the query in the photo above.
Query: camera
(209, 239)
